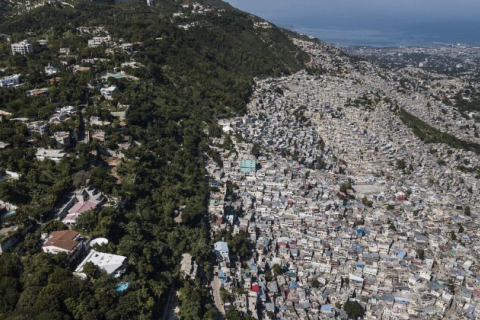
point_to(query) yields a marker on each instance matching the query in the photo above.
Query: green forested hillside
(429, 134)
(188, 78)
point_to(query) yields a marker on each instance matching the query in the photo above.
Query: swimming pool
(7, 215)
(122, 287)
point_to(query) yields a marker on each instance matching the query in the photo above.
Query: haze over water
(378, 23)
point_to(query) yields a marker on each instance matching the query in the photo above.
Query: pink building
(78, 209)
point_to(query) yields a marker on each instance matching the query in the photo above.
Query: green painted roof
(247, 165)
(117, 75)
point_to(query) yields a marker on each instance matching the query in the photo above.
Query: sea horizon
(370, 37)
(343, 26)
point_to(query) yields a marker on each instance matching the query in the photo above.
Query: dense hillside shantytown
(327, 197)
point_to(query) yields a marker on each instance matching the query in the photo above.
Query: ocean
(419, 35)
(373, 22)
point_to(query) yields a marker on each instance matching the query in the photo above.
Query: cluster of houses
(338, 199)
(191, 11)
(194, 8)
(459, 59)
(341, 202)
(73, 244)
(79, 249)
(66, 114)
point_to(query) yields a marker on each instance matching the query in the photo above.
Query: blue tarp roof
(327, 307)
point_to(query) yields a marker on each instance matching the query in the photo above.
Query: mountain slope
(195, 67)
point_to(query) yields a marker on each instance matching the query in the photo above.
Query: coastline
(376, 38)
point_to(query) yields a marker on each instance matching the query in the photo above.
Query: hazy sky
(432, 19)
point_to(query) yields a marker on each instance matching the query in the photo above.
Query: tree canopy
(188, 79)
